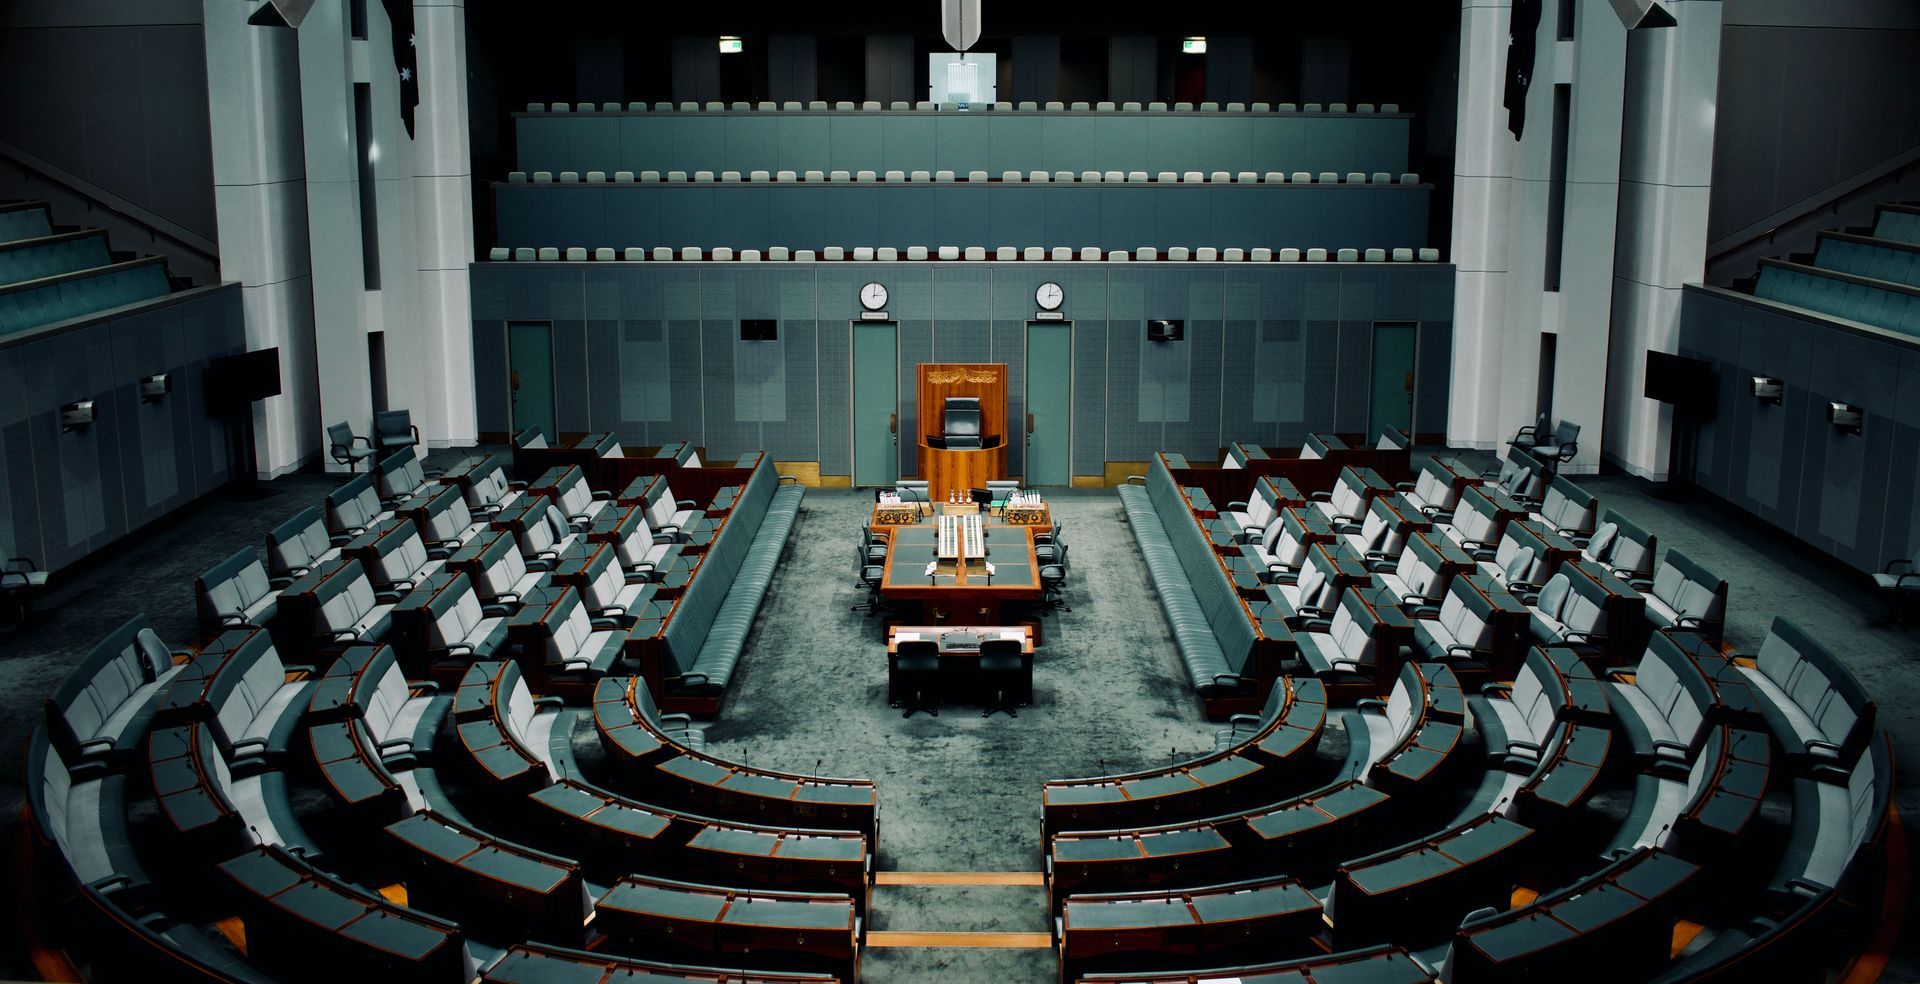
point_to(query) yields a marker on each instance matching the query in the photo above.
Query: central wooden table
(963, 593)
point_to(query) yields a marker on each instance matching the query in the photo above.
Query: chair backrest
(1689, 589)
(393, 423)
(339, 437)
(228, 589)
(1632, 548)
(95, 690)
(1816, 681)
(297, 543)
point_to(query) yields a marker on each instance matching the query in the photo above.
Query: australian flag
(406, 59)
(1520, 52)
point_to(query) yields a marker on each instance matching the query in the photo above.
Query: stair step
(996, 941)
(959, 878)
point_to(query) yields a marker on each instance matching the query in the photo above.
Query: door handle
(893, 423)
(1029, 423)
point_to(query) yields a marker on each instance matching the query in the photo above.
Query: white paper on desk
(906, 637)
(932, 565)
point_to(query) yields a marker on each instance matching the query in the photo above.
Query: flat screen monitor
(759, 330)
(237, 380)
(1678, 380)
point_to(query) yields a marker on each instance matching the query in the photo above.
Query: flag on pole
(406, 58)
(1520, 53)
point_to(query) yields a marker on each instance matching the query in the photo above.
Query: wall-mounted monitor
(759, 330)
(1161, 330)
(962, 78)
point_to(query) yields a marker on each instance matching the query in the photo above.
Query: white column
(443, 201)
(260, 204)
(1480, 205)
(327, 74)
(1665, 184)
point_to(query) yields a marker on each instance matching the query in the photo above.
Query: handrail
(155, 224)
(1825, 199)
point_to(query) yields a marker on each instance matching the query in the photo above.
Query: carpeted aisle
(959, 792)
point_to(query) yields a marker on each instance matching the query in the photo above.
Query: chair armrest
(1239, 719)
(1136, 480)
(1824, 746)
(423, 688)
(788, 479)
(1237, 504)
(388, 597)
(344, 635)
(1228, 679)
(606, 623)
(406, 743)
(460, 649)
(1420, 611)
(1321, 496)
(439, 550)
(1661, 745)
(1370, 704)
(1804, 887)
(686, 503)
(1496, 689)
(1529, 746)
(249, 747)
(603, 496)
(548, 702)
(690, 679)
(686, 719)
(1458, 650)
(300, 671)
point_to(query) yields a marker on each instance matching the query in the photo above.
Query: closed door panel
(876, 403)
(1049, 424)
(530, 362)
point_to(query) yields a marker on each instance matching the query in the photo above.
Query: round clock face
(873, 296)
(1048, 296)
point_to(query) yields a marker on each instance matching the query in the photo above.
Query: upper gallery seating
(693, 139)
(49, 276)
(1873, 279)
(1113, 218)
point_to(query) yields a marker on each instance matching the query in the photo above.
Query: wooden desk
(901, 514)
(1039, 516)
(963, 593)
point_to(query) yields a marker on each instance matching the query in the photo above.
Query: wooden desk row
(647, 756)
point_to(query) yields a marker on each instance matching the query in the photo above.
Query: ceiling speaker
(1642, 13)
(960, 23)
(281, 13)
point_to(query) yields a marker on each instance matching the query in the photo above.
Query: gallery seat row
(406, 800)
(1001, 254)
(1579, 718)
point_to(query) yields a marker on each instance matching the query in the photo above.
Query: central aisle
(959, 792)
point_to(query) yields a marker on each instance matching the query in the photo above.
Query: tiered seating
(26, 259)
(99, 713)
(1262, 750)
(1357, 649)
(669, 763)
(482, 479)
(355, 508)
(563, 646)
(530, 962)
(693, 660)
(991, 138)
(298, 917)
(1620, 918)
(297, 546)
(1373, 965)
(513, 740)
(1684, 595)
(1817, 711)
(374, 728)
(235, 592)
(608, 590)
(1399, 255)
(49, 300)
(492, 886)
(1546, 734)
(1211, 626)
(791, 929)
(1418, 891)
(1138, 930)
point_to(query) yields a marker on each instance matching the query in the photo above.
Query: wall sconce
(154, 387)
(1845, 417)
(76, 416)
(1768, 390)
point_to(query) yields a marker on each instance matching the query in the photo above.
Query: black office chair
(21, 581)
(960, 423)
(1047, 543)
(1053, 583)
(1006, 673)
(870, 574)
(913, 668)
(875, 544)
(346, 447)
(393, 430)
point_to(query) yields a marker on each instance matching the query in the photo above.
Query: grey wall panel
(121, 106)
(1229, 69)
(1110, 216)
(1036, 69)
(664, 339)
(793, 69)
(1850, 495)
(836, 299)
(1133, 69)
(696, 69)
(891, 73)
(989, 141)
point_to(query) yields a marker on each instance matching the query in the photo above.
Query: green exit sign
(1193, 46)
(730, 45)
